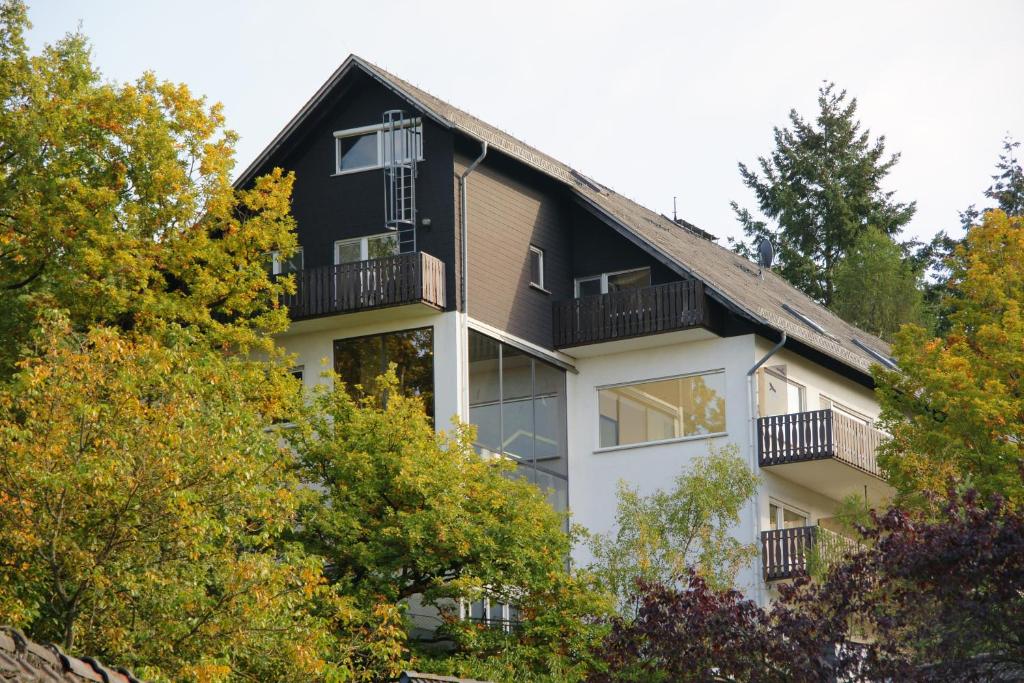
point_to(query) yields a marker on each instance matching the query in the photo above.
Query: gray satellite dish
(765, 255)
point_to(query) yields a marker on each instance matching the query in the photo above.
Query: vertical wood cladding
(329, 208)
(511, 208)
(600, 249)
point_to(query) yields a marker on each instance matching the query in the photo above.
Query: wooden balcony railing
(786, 553)
(348, 287)
(629, 313)
(816, 435)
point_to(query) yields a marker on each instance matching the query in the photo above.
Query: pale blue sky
(654, 99)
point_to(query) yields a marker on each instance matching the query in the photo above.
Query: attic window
(363, 148)
(807, 321)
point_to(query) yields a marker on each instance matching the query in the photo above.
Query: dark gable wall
(329, 208)
(600, 249)
(510, 208)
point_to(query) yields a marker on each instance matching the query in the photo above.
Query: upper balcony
(824, 451)
(413, 278)
(629, 313)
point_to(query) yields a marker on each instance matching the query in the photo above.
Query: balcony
(824, 451)
(786, 553)
(414, 278)
(629, 313)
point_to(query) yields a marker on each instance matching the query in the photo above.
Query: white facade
(593, 471)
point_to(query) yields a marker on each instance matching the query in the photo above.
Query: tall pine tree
(821, 188)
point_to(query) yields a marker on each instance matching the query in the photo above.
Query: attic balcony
(787, 553)
(403, 279)
(629, 313)
(824, 451)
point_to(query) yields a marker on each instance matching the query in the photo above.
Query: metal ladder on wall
(402, 145)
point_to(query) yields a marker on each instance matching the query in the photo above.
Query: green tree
(659, 537)
(822, 187)
(142, 510)
(399, 510)
(116, 205)
(955, 407)
(875, 288)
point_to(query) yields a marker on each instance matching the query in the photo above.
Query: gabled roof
(23, 661)
(730, 278)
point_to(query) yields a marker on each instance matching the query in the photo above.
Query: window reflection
(517, 403)
(662, 409)
(360, 360)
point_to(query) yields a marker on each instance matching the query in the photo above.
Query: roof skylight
(807, 321)
(884, 360)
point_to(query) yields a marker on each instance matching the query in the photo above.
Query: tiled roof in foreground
(25, 661)
(417, 677)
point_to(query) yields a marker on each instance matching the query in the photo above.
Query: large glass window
(662, 409)
(360, 360)
(517, 403)
(613, 282)
(365, 248)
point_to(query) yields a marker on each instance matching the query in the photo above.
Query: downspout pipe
(464, 277)
(752, 412)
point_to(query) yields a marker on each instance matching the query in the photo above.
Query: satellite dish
(765, 255)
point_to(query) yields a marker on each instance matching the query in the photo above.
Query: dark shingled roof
(730, 278)
(417, 677)
(23, 661)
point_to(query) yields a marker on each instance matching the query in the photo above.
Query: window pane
(629, 280)
(361, 359)
(517, 423)
(589, 287)
(484, 396)
(349, 252)
(380, 246)
(476, 609)
(496, 611)
(792, 520)
(773, 516)
(292, 264)
(536, 268)
(664, 409)
(357, 151)
(516, 374)
(556, 489)
(704, 404)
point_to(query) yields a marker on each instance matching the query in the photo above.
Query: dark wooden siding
(329, 208)
(601, 249)
(509, 209)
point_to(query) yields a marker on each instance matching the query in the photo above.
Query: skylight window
(807, 321)
(884, 360)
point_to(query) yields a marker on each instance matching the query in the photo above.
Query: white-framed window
(490, 612)
(785, 516)
(662, 409)
(537, 267)
(613, 282)
(829, 404)
(283, 266)
(364, 148)
(365, 248)
(782, 395)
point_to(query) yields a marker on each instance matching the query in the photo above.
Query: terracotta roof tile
(25, 661)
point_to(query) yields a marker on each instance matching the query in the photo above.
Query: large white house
(589, 339)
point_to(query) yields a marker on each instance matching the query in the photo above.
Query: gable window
(613, 282)
(365, 248)
(662, 410)
(365, 148)
(537, 267)
(283, 266)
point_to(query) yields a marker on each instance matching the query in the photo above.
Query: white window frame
(276, 262)
(787, 380)
(780, 519)
(604, 279)
(846, 410)
(364, 246)
(540, 255)
(378, 129)
(658, 442)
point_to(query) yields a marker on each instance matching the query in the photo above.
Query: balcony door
(782, 395)
(354, 278)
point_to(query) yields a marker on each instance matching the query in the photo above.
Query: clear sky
(653, 99)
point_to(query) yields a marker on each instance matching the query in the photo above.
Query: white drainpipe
(752, 413)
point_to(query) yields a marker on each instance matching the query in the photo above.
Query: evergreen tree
(822, 187)
(875, 288)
